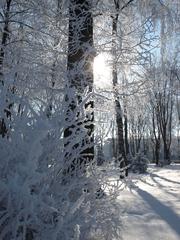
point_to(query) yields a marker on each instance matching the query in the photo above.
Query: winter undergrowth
(35, 203)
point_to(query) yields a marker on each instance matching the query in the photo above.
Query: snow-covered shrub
(139, 163)
(24, 197)
(34, 202)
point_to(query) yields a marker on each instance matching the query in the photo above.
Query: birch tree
(79, 134)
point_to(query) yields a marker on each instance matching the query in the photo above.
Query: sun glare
(102, 71)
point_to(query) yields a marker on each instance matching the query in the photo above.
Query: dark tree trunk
(157, 151)
(165, 120)
(4, 40)
(80, 76)
(114, 143)
(167, 156)
(126, 134)
(156, 134)
(119, 116)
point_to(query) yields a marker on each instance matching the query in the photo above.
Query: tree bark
(80, 77)
(156, 133)
(118, 109)
(126, 134)
(157, 151)
(5, 36)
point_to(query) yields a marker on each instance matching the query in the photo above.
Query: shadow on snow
(166, 213)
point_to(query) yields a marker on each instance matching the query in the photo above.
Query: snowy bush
(35, 203)
(139, 163)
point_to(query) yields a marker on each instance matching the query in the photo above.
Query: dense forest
(89, 90)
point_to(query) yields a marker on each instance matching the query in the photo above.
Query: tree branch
(126, 4)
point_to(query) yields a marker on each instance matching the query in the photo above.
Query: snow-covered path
(152, 206)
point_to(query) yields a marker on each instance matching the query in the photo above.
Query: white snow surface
(151, 205)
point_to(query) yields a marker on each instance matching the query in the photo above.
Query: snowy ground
(152, 205)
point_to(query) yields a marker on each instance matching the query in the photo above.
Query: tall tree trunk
(78, 136)
(157, 151)
(118, 109)
(156, 133)
(114, 141)
(126, 134)
(165, 98)
(4, 40)
(167, 157)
